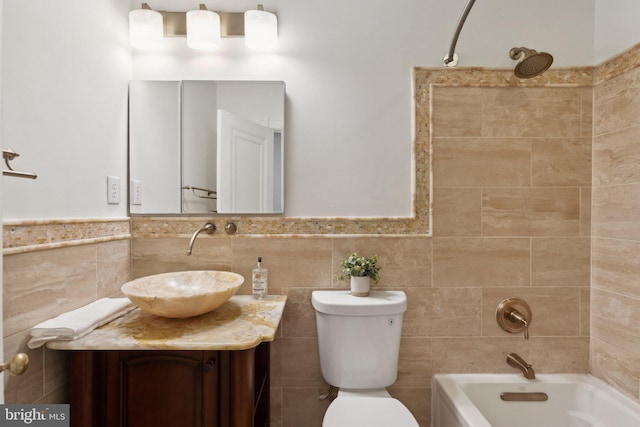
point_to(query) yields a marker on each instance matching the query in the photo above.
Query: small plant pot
(360, 286)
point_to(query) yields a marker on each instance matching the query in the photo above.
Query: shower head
(531, 63)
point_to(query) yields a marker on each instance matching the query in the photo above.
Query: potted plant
(361, 270)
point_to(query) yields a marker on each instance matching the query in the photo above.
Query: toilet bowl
(359, 344)
(355, 409)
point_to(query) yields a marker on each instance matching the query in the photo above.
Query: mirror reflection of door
(173, 144)
(245, 165)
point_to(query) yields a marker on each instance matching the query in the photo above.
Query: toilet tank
(359, 337)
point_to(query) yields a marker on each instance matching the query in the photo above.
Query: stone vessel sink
(184, 293)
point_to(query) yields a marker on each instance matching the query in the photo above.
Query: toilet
(359, 342)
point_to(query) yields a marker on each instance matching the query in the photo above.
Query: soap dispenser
(259, 281)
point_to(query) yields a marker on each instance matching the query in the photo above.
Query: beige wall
(50, 269)
(615, 270)
(512, 217)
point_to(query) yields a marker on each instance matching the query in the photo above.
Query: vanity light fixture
(203, 28)
(260, 29)
(145, 28)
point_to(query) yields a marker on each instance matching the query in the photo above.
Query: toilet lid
(350, 411)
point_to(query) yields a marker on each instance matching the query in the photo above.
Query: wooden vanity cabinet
(170, 388)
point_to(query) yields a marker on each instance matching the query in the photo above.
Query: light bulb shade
(145, 29)
(203, 30)
(260, 30)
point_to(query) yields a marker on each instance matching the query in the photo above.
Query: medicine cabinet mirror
(206, 147)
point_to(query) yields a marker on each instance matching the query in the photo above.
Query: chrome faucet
(518, 362)
(208, 228)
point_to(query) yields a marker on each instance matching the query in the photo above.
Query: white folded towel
(78, 323)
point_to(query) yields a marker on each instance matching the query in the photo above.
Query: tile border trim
(38, 235)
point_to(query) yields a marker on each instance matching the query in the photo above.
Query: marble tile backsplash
(42, 280)
(512, 216)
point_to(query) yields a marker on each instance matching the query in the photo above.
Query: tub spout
(208, 228)
(518, 362)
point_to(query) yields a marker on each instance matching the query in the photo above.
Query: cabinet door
(167, 388)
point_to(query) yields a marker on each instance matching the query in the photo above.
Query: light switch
(136, 192)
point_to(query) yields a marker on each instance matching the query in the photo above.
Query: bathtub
(573, 400)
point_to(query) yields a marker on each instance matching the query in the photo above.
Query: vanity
(207, 371)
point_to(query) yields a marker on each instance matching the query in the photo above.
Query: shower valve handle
(514, 316)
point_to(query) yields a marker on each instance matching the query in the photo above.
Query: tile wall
(615, 271)
(50, 268)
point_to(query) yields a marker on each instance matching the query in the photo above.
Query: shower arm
(449, 58)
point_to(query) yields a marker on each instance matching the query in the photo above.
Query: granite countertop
(241, 323)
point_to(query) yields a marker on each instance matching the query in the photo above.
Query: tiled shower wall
(615, 297)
